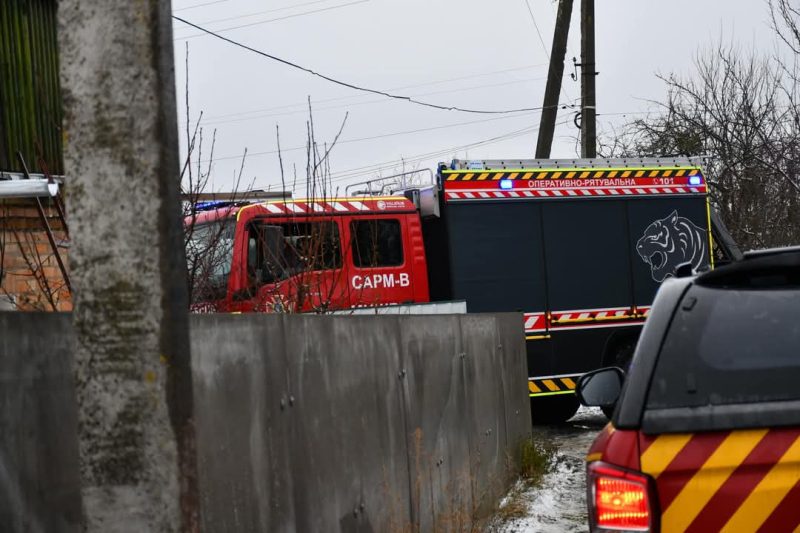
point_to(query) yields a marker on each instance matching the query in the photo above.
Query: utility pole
(132, 368)
(588, 72)
(555, 74)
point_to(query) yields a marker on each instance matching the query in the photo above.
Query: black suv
(706, 431)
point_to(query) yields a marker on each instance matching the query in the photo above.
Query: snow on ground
(558, 504)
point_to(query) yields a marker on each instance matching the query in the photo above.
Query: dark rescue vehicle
(579, 246)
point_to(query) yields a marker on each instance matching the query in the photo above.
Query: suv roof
(764, 269)
(759, 269)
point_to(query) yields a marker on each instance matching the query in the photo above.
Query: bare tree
(294, 263)
(786, 22)
(205, 243)
(304, 248)
(739, 110)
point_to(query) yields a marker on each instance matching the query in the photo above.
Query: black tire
(553, 409)
(624, 356)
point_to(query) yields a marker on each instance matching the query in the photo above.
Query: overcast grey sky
(467, 53)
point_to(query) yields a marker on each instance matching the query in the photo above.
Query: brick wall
(29, 275)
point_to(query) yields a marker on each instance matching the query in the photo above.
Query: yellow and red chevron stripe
(567, 192)
(569, 174)
(592, 316)
(522, 184)
(746, 480)
(539, 324)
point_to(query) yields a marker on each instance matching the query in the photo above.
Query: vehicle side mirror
(600, 388)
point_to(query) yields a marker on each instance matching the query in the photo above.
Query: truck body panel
(580, 251)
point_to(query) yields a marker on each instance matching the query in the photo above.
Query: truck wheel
(553, 409)
(624, 356)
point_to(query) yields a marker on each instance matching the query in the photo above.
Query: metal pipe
(51, 186)
(369, 183)
(32, 188)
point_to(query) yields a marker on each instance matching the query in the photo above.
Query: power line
(392, 164)
(329, 8)
(351, 85)
(284, 8)
(539, 33)
(304, 105)
(388, 165)
(199, 5)
(381, 136)
(623, 113)
(362, 171)
(544, 45)
(214, 122)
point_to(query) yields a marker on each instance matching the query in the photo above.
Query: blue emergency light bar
(506, 184)
(214, 204)
(695, 180)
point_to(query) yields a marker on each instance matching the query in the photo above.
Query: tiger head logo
(671, 241)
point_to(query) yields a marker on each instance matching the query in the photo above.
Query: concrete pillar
(132, 357)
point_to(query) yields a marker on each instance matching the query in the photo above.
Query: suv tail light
(619, 500)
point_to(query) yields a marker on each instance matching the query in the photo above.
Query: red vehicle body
(313, 255)
(705, 435)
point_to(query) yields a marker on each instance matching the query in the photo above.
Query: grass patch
(535, 460)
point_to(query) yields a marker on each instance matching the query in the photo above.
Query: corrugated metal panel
(30, 97)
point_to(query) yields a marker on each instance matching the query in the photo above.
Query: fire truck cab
(310, 255)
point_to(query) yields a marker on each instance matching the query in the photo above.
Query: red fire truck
(578, 246)
(313, 255)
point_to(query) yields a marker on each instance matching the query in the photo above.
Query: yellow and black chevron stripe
(551, 386)
(568, 174)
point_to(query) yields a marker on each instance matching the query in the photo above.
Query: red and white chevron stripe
(522, 194)
(333, 206)
(535, 323)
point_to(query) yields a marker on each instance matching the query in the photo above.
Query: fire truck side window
(278, 251)
(376, 243)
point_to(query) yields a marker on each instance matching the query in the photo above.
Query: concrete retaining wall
(39, 478)
(387, 423)
(390, 423)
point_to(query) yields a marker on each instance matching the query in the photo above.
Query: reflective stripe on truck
(552, 385)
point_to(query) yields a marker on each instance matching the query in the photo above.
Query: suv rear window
(730, 346)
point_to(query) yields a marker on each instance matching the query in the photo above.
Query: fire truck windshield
(209, 252)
